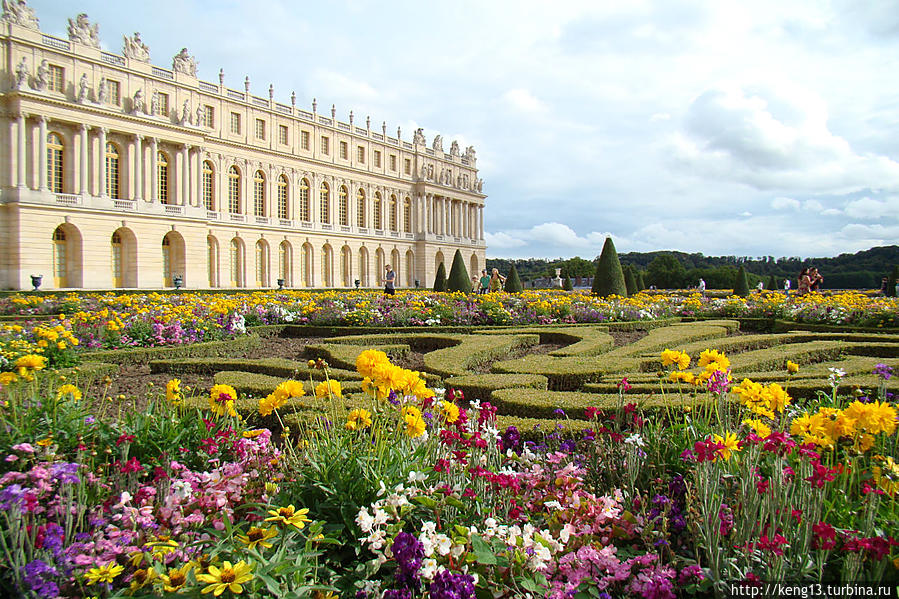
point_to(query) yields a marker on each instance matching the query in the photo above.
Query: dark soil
(627, 337)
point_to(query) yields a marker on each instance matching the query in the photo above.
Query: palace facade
(115, 173)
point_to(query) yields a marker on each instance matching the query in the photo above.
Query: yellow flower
(8, 377)
(141, 577)
(258, 536)
(410, 411)
(227, 577)
(162, 547)
(792, 367)
(173, 392)
(106, 573)
(368, 360)
(730, 442)
(270, 403)
(45, 442)
(290, 389)
(31, 362)
(760, 428)
(710, 356)
(221, 400)
(329, 387)
(414, 426)
(176, 578)
(449, 411)
(72, 390)
(358, 419)
(253, 433)
(289, 516)
(376, 391)
(670, 356)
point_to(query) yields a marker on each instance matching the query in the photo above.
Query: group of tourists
(486, 284)
(809, 280)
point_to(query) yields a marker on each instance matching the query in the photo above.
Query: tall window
(167, 262)
(284, 266)
(393, 162)
(377, 159)
(261, 264)
(344, 152)
(360, 208)
(208, 185)
(325, 203)
(164, 104)
(392, 209)
(233, 190)
(407, 166)
(282, 135)
(54, 162)
(326, 145)
(57, 79)
(260, 129)
(212, 260)
(305, 212)
(209, 116)
(114, 92)
(407, 215)
(259, 194)
(343, 207)
(283, 213)
(304, 140)
(236, 264)
(235, 123)
(60, 258)
(326, 266)
(360, 154)
(162, 177)
(376, 210)
(116, 260)
(112, 171)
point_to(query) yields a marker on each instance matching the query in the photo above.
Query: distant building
(118, 173)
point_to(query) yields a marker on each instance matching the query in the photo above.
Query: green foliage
(666, 272)
(630, 280)
(513, 283)
(891, 282)
(480, 386)
(609, 279)
(741, 285)
(772, 283)
(458, 278)
(641, 284)
(566, 284)
(142, 355)
(440, 278)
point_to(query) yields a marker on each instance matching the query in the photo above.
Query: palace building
(115, 173)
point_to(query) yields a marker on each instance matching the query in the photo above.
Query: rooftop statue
(21, 73)
(438, 143)
(418, 138)
(43, 76)
(454, 148)
(135, 49)
(16, 11)
(137, 104)
(183, 62)
(81, 31)
(469, 153)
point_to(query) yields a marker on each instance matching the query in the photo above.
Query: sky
(756, 128)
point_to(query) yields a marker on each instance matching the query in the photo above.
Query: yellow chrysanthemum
(8, 377)
(329, 387)
(730, 442)
(173, 392)
(227, 577)
(72, 390)
(792, 367)
(410, 410)
(449, 412)
(358, 419)
(31, 362)
(670, 356)
(369, 387)
(104, 573)
(221, 400)
(413, 426)
(368, 360)
(760, 428)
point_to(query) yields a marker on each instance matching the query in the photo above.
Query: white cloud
(523, 101)
(868, 208)
(813, 206)
(502, 241)
(785, 204)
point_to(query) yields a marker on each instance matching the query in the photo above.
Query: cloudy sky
(730, 128)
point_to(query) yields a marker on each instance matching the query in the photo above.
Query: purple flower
(11, 496)
(65, 473)
(447, 585)
(408, 553)
(400, 594)
(883, 371)
(568, 446)
(559, 412)
(512, 440)
(39, 575)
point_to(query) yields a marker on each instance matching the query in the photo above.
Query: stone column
(101, 171)
(198, 173)
(185, 176)
(42, 154)
(138, 168)
(315, 212)
(20, 151)
(481, 225)
(154, 174)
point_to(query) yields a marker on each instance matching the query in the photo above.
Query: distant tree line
(677, 270)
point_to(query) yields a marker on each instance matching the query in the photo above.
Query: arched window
(60, 258)
(407, 215)
(326, 203)
(259, 194)
(283, 212)
(360, 209)
(376, 210)
(327, 266)
(116, 260)
(162, 177)
(261, 264)
(208, 186)
(305, 208)
(54, 162)
(167, 262)
(212, 260)
(392, 208)
(112, 171)
(234, 190)
(284, 263)
(343, 206)
(236, 263)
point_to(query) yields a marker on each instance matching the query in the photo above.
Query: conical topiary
(890, 291)
(630, 280)
(566, 284)
(609, 279)
(772, 283)
(641, 285)
(440, 279)
(741, 286)
(513, 282)
(458, 278)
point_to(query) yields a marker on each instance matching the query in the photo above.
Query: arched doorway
(363, 267)
(327, 266)
(237, 262)
(346, 266)
(473, 266)
(306, 269)
(262, 263)
(124, 258)
(212, 260)
(285, 263)
(173, 259)
(66, 265)
(379, 267)
(410, 269)
(395, 263)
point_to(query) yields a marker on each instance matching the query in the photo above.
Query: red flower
(762, 485)
(209, 446)
(442, 465)
(772, 544)
(124, 438)
(779, 442)
(821, 475)
(825, 536)
(469, 492)
(132, 465)
(624, 385)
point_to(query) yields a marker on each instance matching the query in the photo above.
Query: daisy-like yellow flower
(105, 573)
(173, 392)
(378, 392)
(329, 387)
(7, 377)
(760, 428)
(413, 426)
(162, 546)
(270, 403)
(410, 410)
(289, 516)
(681, 359)
(141, 578)
(32, 362)
(730, 442)
(46, 442)
(258, 536)
(176, 578)
(221, 400)
(449, 411)
(792, 367)
(370, 359)
(253, 433)
(72, 390)
(227, 577)
(358, 419)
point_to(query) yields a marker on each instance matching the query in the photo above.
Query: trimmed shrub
(473, 351)
(741, 285)
(641, 285)
(630, 280)
(458, 277)
(440, 278)
(142, 355)
(890, 291)
(260, 385)
(513, 282)
(89, 372)
(277, 367)
(480, 386)
(536, 429)
(609, 279)
(567, 284)
(772, 283)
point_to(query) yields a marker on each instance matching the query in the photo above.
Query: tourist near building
(120, 174)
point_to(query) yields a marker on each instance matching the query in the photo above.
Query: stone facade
(120, 174)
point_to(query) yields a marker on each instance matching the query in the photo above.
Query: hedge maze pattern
(578, 365)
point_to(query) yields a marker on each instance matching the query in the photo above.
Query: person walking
(484, 282)
(702, 287)
(815, 279)
(389, 280)
(787, 286)
(805, 282)
(496, 281)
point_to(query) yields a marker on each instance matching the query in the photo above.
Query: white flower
(635, 440)
(457, 550)
(181, 489)
(364, 520)
(566, 532)
(428, 568)
(553, 504)
(443, 544)
(381, 488)
(837, 372)
(416, 477)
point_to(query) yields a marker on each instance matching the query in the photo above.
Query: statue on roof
(437, 146)
(183, 62)
(82, 32)
(21, 73)
(418, 138)
(16, 11)
(469, 153)
(134, 48)
(454, 148)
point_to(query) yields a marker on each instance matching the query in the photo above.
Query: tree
(458, 278)
(609, 278)
(630, 280)
(741, 286)
(440, 279)
(666, 272)
(891, 282)
(566, 284)
(513, 283)
(772, 282)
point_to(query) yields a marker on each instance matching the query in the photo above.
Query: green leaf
(483, 551)
(529, 585)
(425, 501)
(455, 503)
